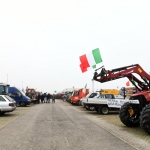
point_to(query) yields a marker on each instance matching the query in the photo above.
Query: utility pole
(22, 85)
(7, 78)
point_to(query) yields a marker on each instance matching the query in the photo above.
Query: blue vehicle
(20, 97)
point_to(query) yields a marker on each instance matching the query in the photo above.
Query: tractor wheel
(104, 110)
(128, 116)
(145, 119)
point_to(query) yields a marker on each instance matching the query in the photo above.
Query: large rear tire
(126, 118)
(145, 119)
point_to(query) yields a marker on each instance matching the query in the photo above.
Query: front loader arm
(109, 75)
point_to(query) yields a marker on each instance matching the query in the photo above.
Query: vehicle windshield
(76, 93)
(3, 89)
(28, 91)
(22, 93)
(93, 95)
(9, 98)
(88, 95)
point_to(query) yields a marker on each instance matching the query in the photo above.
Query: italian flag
(89, 61)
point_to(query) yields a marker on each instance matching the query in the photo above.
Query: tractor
(135, 112)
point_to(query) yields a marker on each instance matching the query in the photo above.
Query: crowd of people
(45, 98)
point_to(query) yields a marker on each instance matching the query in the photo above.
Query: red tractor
(136, 112)
(30, 92)
(78, 95)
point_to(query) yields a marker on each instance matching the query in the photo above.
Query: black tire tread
(145, 119)
(124, 116)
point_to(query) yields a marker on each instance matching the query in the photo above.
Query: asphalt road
(61, 126)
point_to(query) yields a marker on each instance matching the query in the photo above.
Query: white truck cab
(89, 96)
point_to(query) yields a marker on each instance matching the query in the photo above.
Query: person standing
(45, 97)
(48, 98)
(42, 98)
(53, 98)
(38, 98)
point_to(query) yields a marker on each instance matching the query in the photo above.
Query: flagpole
(92, 85)
(99, 68)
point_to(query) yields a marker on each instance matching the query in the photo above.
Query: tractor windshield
(3, 89)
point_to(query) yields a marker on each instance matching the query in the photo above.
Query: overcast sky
(41, 40)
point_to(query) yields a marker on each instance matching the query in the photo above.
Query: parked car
(7, 104)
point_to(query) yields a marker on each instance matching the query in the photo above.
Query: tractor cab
(4, 88)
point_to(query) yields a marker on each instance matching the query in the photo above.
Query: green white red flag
(90, 60)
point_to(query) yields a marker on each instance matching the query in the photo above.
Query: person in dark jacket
(38, 98)
(42, 98)
(48, 98)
